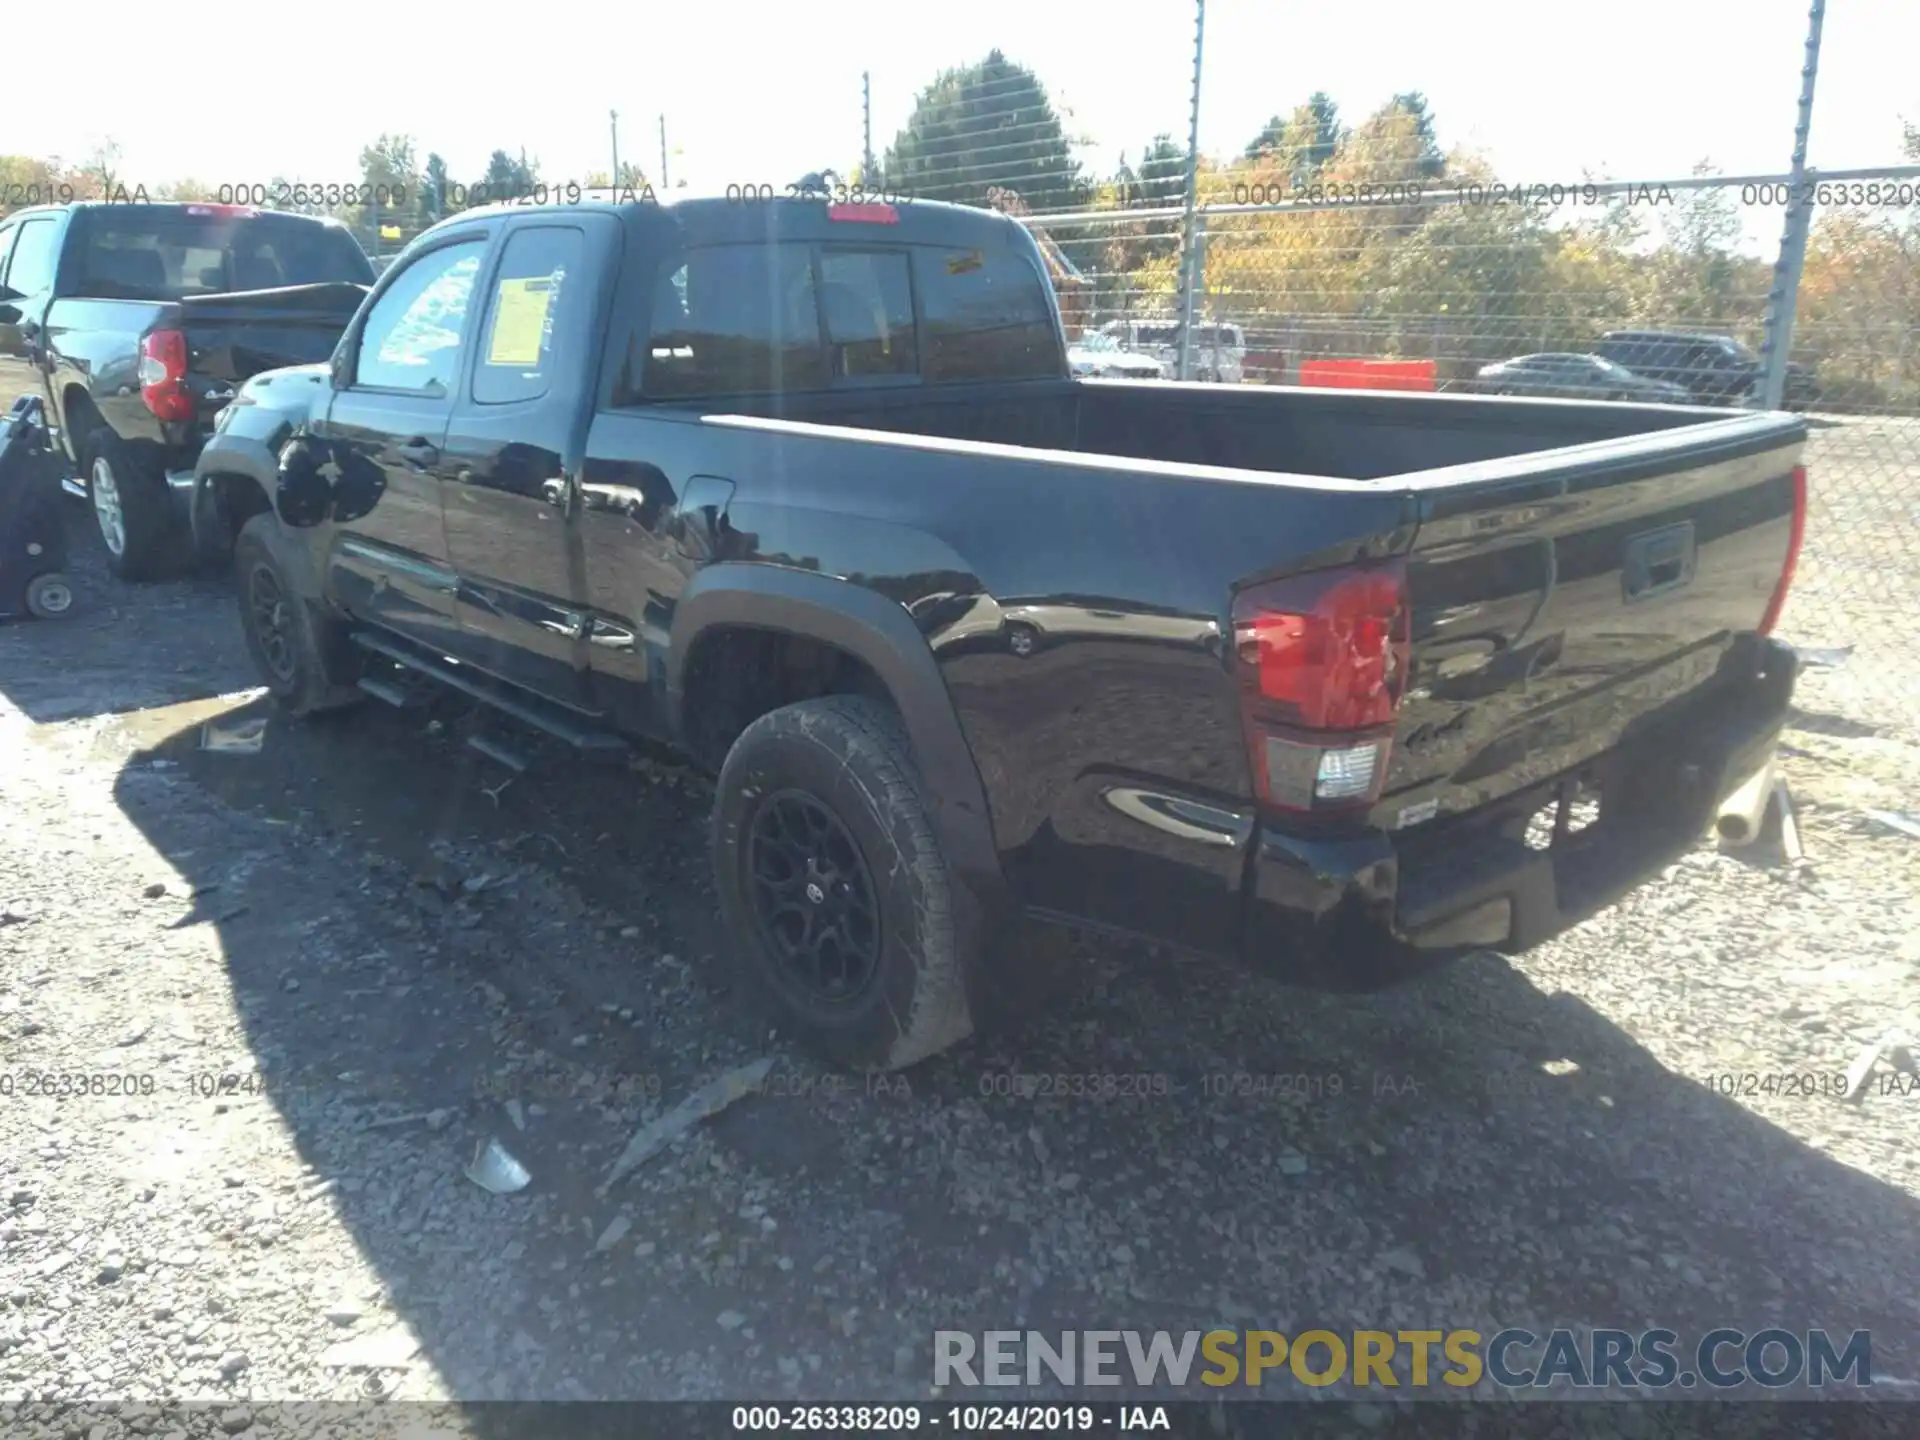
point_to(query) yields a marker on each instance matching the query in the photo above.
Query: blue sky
(1639, 88)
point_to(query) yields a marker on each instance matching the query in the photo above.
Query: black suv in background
(1715, 369)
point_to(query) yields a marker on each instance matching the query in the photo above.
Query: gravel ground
(329, 970)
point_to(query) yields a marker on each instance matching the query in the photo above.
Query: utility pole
(1189, 247)
(613, 175)
(866, 130)
(664, 181)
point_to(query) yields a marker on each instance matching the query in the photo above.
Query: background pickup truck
(135, 322)
(1336, 683)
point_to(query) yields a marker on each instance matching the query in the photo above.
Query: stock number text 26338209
(759, 192)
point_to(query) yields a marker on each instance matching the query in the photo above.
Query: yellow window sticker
(520, 321)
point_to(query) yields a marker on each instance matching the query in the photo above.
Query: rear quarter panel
(1078, 612)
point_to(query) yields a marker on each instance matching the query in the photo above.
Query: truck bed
(1573, 569)
(1346, 435)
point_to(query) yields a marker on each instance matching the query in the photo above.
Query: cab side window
(36, 252)
(411, 339)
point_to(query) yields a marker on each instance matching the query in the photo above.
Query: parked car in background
(135, 323)
(979, 651)
(1715, 369)
(1098, 354)
(1559, 375)
(1219, 351)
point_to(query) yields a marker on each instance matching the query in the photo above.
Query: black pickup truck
(1337, 683)
(135, 323)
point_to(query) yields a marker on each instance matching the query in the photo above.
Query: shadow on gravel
(429, 946)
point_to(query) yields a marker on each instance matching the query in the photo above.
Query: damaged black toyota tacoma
(1339, 684)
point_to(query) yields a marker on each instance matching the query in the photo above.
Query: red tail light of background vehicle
(1322, 661)
(163, 374)
(1794, 538)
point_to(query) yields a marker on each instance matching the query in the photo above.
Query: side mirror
(340, 363)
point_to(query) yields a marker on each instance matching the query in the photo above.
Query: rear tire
(127, 491)
(299, 651)
(833, 888)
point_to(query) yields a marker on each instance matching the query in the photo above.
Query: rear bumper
(1363, 911)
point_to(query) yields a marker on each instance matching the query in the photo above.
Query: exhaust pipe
(1744, 811)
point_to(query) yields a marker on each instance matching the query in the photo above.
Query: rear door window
(866, 310)
(987, 316)
(166, 252)
(751, 318)
(734, 319)
(537, 268)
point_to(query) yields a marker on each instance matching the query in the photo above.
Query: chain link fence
(1366, 255)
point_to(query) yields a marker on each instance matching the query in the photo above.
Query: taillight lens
(1322, 661)
(163, 375)
(1795, 536)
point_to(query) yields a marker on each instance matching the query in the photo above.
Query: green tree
(101, 174)
(1430, 161)
(26, 181)
(1162, 172)
(435, 201)
(389, 161)
(507, 177)
(1698, 279)
(1304, 141)
(986, 125)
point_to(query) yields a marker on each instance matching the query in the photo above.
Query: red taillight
(1322, 661)
(873, 214)
(163, 374)
(1795, 536)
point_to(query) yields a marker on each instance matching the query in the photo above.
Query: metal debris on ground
(615, 1232)
(1789, 827)
(495, 1171)
(436, 1120)
(244, 736)
(1822, 657)
(1890, 1046)
(1908, 825)
(709, 1100)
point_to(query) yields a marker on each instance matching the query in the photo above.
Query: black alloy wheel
(813, 898)
(267, 608)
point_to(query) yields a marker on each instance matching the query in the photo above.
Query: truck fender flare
(880, 633)
(235, 455)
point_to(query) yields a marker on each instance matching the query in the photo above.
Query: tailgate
(1557, 597)
(233, 337)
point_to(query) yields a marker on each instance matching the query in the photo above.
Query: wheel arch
(878, 634)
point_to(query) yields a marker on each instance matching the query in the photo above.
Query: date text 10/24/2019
(950, 1419)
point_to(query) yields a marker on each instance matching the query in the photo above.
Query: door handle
(419, 453)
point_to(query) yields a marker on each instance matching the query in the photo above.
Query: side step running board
(388, 691)
(496, 750)
(527, 709)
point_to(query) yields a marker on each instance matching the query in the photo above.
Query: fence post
(1191, 271)
(1785, 295)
